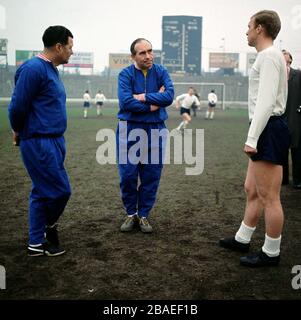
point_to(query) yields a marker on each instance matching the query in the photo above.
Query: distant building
(182, 44)
(158, 56)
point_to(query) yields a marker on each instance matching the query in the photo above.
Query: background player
(99, 101)
(186, 100)
(87, 103)
(212, 100)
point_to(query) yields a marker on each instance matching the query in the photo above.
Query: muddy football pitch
(181, 259)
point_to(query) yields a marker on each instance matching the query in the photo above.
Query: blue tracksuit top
(132, 81)
(38, 104)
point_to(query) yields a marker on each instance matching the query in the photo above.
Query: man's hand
(154, 108)
(16, 139)
(162, 89)
(249, 150)
(140, 97)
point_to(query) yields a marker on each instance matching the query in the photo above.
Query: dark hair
(56, 34)
(269, 20)
(212, 90)
(132, 48)
(288, 53)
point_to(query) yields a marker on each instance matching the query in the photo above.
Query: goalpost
(203, 89)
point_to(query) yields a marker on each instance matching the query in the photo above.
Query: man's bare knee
(268, 199)
(251, 192)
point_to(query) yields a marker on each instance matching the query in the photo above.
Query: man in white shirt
(267, 143)
(212, 100)
(87, 101)
(186, 100)
(99, 100)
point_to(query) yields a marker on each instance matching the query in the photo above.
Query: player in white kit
(186, 100)
(212, 100)
(87, 103)
(267, 144)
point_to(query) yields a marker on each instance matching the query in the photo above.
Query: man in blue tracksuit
(144, 91)
(37, 113)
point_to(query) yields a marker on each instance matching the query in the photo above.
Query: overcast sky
(109, 26)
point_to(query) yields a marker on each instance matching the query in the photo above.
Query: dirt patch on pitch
(179, 260)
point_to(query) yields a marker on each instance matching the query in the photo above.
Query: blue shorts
(86, 104)
(274, 142)
(184, 110)
(211, 105)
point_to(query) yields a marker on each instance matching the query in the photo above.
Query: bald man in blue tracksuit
(144, 91)
(37, 113)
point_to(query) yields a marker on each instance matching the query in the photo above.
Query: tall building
(182, 44)
(157, 56)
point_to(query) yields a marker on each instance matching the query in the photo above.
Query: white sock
(132, 215)
(185, 124)
(212, 115)
(85, 113)
(50, 227)
(244, 233)
(180, 126)
(98, 112)
(207, 114)
(271, 246)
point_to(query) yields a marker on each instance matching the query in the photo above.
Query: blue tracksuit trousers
(139, 197)
(44, 161)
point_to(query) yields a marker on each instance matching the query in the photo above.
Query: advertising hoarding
(223, 60)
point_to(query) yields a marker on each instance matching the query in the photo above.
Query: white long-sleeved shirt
(267, 91)
(100, 97)
(86, 97)
(212, 97)
(187, 100)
